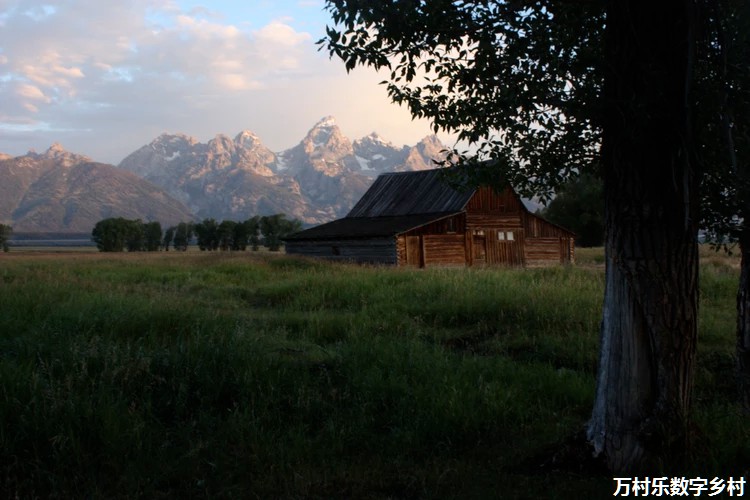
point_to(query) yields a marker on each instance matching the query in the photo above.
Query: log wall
(376, 251)
(495, 229)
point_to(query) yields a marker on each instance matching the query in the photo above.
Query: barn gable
(419, 219)
(409, 193)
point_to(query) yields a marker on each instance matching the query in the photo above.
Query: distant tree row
(5, 232)
(118, 234)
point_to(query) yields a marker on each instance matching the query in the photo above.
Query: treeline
(5, 232)
(117, 234)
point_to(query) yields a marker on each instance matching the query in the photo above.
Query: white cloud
(113, 75)
(31, 92)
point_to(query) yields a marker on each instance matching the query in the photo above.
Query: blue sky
(105, 78)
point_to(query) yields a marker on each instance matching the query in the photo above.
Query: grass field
(258, 376)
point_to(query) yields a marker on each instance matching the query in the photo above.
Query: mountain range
(177, 178)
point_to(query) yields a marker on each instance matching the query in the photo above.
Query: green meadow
(241, 375)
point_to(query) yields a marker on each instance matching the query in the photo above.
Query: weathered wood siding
(548, 251)
(494, 229)
(535, 241)
(431, 250)
(444, 250)
(486, 200)
(449, 225)
(376, 250)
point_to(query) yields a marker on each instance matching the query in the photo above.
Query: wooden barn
(418, 219)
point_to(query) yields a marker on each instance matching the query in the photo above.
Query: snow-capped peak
(326, 122)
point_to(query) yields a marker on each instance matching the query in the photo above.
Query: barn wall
(537, 227)
(444, 250)
(495, 229)
(449, 225)
(376, 251)
(486, 200)
(431, 250)
(505, 251)
(547, 251)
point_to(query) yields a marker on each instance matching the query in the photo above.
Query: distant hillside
(177, 178)
(58, 191)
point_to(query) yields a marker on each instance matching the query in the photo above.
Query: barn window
(479, 232)
(500, 236)
(505, 236)
(510, 236)
(450, 225)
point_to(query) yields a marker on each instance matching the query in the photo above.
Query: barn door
(413, 251)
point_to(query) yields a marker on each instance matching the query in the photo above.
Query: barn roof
(367, 227)
(408, 193)
(395, 203)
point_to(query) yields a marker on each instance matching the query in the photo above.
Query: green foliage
(115, 234)
(253, 229)
(5, 232)
(579, 206)
(213, 375)
(275, 228)
(225, 235)
(232, 235)
(182, 234)
(134, 235)
(152, 236)
(168, 237)
(521, 81)
(207, 232)
(724, 84)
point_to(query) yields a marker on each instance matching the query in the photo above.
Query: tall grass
(236, 376)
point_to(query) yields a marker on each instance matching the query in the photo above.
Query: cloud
(111, 76)
(76, 48)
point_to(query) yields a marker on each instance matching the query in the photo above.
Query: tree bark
(743, 323)
(649, 326)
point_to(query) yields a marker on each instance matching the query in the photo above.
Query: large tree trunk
(649, 326)
(743, 322)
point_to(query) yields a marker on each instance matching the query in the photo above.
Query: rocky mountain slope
(66, 192)
(177, 178)
(317, 180)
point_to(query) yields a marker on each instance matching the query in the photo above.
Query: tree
(115, 234)
(225, 235)
(579, 206)
(110, 234)
(5, 232)
(275, 227)
(725, 202)
(182, 235)
(152, 236)
(547, 90)
(207, 234)
(240, 236)
(168, 237)
(253, 230)
(134, 235)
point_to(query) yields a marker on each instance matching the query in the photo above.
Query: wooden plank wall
(376, 251)
(538, 227)
(504, 252)
(486, 200)
(444, 250)
(449, 225)
(456, 240)
(431, 250)
(547, 251)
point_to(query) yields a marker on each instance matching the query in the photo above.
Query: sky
(104, 78)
